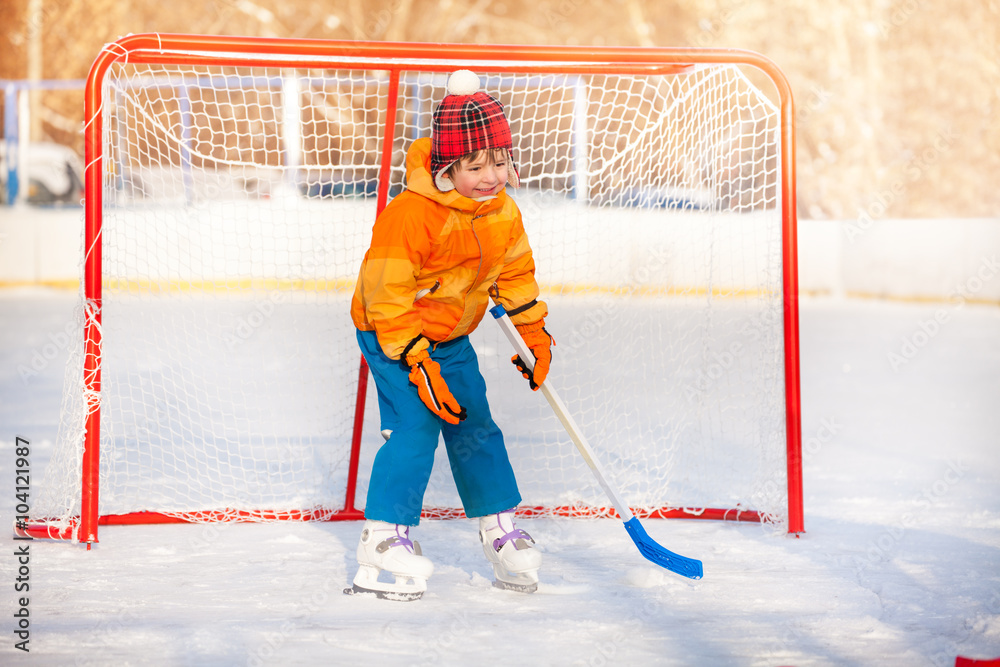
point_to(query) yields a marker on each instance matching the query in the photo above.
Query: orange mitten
(540, 342)
(425, 373)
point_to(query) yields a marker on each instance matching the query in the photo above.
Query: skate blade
(384, 595)
(521, 582)
(403, 589)
(517, 588)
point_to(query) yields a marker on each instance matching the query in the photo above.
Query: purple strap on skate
(516, 534)
(397, 541)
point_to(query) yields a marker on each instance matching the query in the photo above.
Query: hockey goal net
(232, 184)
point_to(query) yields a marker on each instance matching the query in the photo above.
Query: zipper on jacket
(479, 267)
(479, 245)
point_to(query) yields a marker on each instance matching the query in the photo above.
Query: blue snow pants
(475, 447)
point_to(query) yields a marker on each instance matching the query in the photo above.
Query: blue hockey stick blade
(686, 567)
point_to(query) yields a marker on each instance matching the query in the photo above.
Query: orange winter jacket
(434, 257)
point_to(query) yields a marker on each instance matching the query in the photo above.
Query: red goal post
(588, 177)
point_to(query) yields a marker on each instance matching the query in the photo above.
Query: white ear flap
(512, 176)
(442, 182)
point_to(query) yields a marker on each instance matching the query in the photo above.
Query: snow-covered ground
(900, 564)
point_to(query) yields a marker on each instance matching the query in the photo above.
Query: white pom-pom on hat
(463, 82)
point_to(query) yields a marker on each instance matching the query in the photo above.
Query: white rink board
(574, 244)
(933, 259)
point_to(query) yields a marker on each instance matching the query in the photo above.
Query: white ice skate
(511, 552)
(386, 547)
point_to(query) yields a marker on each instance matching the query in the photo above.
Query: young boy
(439, 251)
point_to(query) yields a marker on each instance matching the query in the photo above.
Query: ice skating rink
(900, 564)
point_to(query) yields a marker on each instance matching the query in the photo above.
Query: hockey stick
(648, 547)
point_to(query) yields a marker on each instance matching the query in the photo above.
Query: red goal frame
(392, 58)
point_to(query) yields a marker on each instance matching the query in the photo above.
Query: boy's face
(481, 177)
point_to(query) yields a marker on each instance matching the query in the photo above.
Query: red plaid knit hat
(466, 121)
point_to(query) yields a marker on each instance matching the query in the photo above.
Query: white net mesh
(238, 204)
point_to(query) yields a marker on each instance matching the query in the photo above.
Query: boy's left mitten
(425, 373)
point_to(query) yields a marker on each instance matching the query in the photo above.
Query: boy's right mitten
(540, 343)
(425, 373)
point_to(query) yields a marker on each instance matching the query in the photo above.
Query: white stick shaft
(562, 413)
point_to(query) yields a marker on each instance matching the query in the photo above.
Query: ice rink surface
(899, 565)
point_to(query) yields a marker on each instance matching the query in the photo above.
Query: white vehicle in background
(54, 175)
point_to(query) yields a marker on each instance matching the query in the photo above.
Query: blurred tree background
(895, 98)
